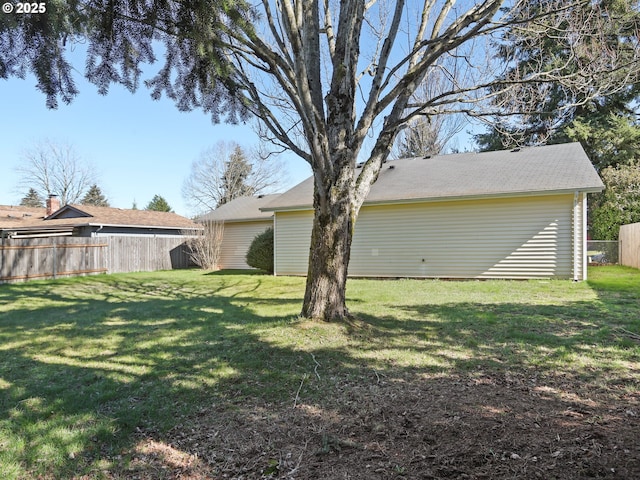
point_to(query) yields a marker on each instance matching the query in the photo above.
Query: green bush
(260, 253)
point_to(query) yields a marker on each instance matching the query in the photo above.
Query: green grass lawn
(87, 364)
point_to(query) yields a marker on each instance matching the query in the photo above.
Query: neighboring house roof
(12, 215)
(241, 209)
(534, 170)
(91, 215)
(71, 216)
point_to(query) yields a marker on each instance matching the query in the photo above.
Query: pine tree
(557, 110)
(32, 199)
(235, 177)
(95, 197)
(158, 204)
(618, 204)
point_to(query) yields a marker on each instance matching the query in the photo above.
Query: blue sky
(139, 147)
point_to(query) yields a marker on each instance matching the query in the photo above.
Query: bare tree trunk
(331, 237)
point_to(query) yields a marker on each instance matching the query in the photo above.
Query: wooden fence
(629, 239)
(25, 259)
(146, 254)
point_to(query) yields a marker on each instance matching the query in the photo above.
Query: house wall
(237, 238)
(525, 237)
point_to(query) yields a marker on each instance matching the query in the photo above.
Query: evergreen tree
(235, 177)
(552, 108)
(32, 199)
(158, 204)
(610, 139)
(226, 171)
(618, 204)
(95, 197)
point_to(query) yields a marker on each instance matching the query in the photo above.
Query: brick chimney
(53, 204)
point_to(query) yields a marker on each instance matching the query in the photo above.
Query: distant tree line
(222, 173)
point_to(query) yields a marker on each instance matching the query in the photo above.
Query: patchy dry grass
(191, 375)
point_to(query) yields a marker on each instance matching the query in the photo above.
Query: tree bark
(331, 236)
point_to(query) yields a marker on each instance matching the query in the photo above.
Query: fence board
(146, 254)
(629, 239)
(25, 259)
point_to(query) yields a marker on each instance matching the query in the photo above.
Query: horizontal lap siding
(499, 238)
(291, 242)
(236, 240)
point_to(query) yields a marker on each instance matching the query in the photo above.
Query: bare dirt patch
(481, 426)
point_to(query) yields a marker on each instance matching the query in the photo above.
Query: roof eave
(31, 228)
(156, 227)
(240, 220)
(78, 225)
(447, 198)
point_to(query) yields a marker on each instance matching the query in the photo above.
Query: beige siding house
(243, 220)
(508, 214)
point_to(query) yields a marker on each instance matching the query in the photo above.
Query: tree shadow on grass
(133, 377)
(99, 365)
(582, 338)
(232, 272)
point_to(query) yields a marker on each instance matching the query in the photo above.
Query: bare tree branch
(55, 168)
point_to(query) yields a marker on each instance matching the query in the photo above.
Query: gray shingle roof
(241, 209)
(528, 171)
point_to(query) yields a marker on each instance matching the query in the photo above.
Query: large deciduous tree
(431, 134)
(55, 168)
(331, 81)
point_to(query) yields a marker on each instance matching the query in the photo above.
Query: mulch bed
(481, 426)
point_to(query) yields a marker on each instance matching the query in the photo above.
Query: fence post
(55, 259)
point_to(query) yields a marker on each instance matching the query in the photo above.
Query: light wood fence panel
(26, 259)
(629, 239)
(146, 254)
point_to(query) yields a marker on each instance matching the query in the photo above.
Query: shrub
(260, 253)
(204, 245)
